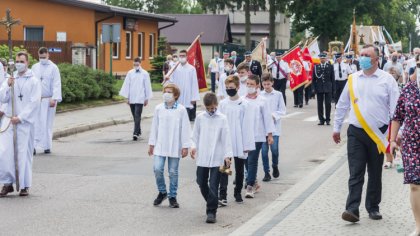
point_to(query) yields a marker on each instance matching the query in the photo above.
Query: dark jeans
(321, 99)
(223, 186)
(208, 180)
(239, 174)
(363, 151)
(213, 81)
(298, 96)
(253, 164)
(339, 87)
(280, 85)
(308, 93)
(192, 112)
(136, 110)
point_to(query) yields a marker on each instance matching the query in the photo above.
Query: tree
(132, 4)
(158, 61)
(276, 6)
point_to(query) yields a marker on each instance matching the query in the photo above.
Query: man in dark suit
(324, 85)
(254, 66)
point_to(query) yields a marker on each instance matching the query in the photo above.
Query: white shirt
(136, 87)
(221, 91)
(171, 131)
(239, 120)
(242, 91)
(345, 71)
(277, 108)
(378, 98)
(2, 74)
(263, 121)
(410, 64)
(185, 77)
(211, 138)
(397, 65)
(221, 66)
(353, 68)
(213, 65)
(50, 78)
(283, 65)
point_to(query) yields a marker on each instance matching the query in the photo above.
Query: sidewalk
(314, 206)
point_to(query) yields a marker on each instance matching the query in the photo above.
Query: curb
(280, 208)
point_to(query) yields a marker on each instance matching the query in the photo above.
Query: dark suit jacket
(356, 62)
(256, 68)
(238, 61)
(323, 79)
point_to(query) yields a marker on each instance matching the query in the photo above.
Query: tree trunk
(247, 25)
(272, 26)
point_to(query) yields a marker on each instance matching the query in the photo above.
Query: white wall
(207, 51)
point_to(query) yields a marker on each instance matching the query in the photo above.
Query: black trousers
(213, 81)
(362, 152)
(208, 179)
(324, 98)
(298, 96)
(308, 93)
(192, 112)
(239, 174)
(339, 87)
(280, 85)
(136, 110)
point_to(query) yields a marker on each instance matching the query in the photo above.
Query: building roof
(255, 29)
(103, 8)
(216, 29)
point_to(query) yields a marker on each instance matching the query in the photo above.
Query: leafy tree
(132, 4)
(159, 60)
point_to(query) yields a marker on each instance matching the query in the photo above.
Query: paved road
(102, 183)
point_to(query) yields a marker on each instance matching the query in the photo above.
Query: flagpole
(313, 41)
(171, 71)
(290, 50)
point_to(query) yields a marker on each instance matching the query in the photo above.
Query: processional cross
(8, 21)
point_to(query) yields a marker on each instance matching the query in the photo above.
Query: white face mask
(183, 60)
(43, 61)
(175, 59)
(244, 78)
(20, 67)
(168, 97)
(251, 90)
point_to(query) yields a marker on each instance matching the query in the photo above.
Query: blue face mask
(365, 63)
(211, 113)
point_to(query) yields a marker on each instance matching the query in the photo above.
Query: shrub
(4, 53)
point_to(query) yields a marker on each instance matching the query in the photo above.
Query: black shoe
(211, 218)
(47, 151)
(160, 198)
(350, 217)
(6, 190)
(135, 137)
(301, 106)
(375, 215)
(306, 103)
(295, 106)
(328, 123)
(276, 172)
(267, 177)
(321, 123)
(173, 203)
(34, 152)
(238, 198)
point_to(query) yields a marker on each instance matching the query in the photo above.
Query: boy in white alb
(221, 91)
(243, 71)
(277, 109)
(264, 129)
(170, 138)
(240, 119)
(212, 149)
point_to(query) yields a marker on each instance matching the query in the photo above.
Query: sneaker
(276, 172)
(249, 192)
(223, 202)
(160, 198)
(267, 177)
(24, 192)
(47, 151)
(6, 190)
(173, 203)
(238, 198)
(256, 187)
(211, 218)
(135, 137)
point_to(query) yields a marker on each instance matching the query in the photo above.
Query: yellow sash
(375, 136)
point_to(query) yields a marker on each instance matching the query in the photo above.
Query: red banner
(306, 56)
(195, 58)
(297, 74)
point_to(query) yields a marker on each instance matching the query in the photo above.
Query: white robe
(30, 88)
(185, 77)
(2, 80)
(49, 76)
(239, 120)
(137, 87)
(243, 91)
(263, 121)
(211, 138)
(277, 108)
(171, 131)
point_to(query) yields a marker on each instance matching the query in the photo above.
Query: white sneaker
(249, 192)
(256, 187)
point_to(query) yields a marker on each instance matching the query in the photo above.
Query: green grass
(156, 87)
(62, 107)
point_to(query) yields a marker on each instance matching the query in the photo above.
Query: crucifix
(8, 21)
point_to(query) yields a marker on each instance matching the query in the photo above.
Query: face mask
(244, 78)
(394, 59)
(228, 69)
(211, 113)
(20, 67)
(231, 92)
(168, 97)
(175, 59)
(216, 57)
(251, 90)
(43, 61)
(233, 57)
(137, 68)
(365, 63)
(183, 60)
(273, 57)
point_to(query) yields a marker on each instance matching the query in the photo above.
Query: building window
(128, 45)
(152, 45)
(34, 34)
(115, 50)
(140, 45)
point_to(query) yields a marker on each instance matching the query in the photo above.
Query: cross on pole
(8, 21)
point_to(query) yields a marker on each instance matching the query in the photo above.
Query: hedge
(81, 83)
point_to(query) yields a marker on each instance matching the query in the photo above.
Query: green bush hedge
(81, 83)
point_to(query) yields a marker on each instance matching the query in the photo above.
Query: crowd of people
(241, 120)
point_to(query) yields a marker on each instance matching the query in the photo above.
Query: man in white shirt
(280, 72)
(393, 66)
(370, 97)
(49, 75)
(411, 63)
(138, 91)
(341, 72)
(213, 70)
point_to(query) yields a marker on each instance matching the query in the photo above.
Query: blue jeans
(159, 168)
(253, 164)
(274, 153)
